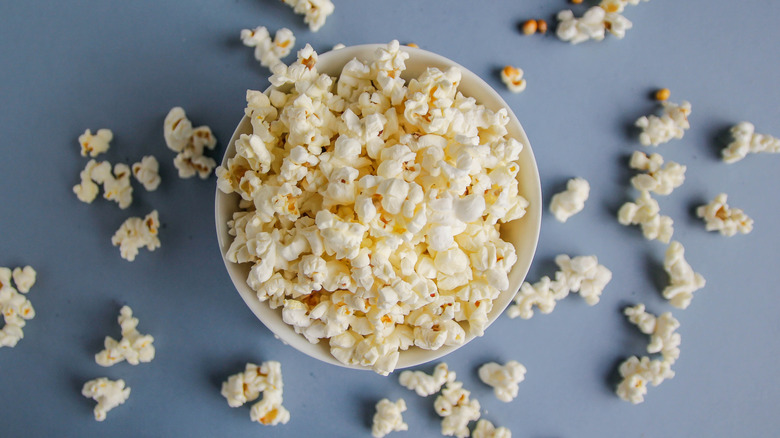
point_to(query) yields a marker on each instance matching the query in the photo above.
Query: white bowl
(522, 233)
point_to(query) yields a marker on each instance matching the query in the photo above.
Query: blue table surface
(68, 66)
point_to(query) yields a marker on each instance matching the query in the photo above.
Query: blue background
(68, 66)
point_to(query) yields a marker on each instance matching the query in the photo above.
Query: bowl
(523, 233)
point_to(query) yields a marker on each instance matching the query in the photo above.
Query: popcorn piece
(133, 347)
(136, 233)
(486, 429)
(189, 143)
(457, 409)
(577, 30)
(24, 278)
(645, 213)
(512, 77)
(670, 125)
(315, 11)
(683, 281)
(269, 411)
(638, 373)
(107, 393)
(94, 145)
(247, 386)
(663, 338)
(87, 190)
(719, 217)
(147, 172)
(504, 379)
(570, 201)
(661, 180)
(424, 384)
(388, 418)
(116, 186)
(268, 52)
(746, 141)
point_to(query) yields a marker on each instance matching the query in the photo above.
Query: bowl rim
(285, 332)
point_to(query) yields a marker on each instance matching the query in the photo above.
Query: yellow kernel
(529, 27)
(662, 94)
(576, 2)
(541, 26)
(413, 45)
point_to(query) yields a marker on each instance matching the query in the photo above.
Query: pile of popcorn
(14, 305)
(370, 207)
(596, 21)
(265, 380)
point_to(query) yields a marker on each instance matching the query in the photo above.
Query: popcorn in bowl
(366, 211)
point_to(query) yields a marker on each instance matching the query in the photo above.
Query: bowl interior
(522, 233)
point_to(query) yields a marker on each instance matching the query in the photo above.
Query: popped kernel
(657, 179)
(645, 212)
(424, 384)
(504, 379)
(638, 373)
(486, 429)
(15, 307)
(132, 347)
(247, 386)
(269, 52)
(135, 233)
(719, 217)
(683, 281)
(95, 144)
(570, 201)
(662, 331)
(147, 172)
(388, 418)
(512, 77)
(315, 11)
(107, 393)
(189, 143)
(745, 141)
(672, 124)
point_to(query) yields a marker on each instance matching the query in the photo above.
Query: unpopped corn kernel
(662, 94)
(107, 393)
(529, 27)
(457, 409)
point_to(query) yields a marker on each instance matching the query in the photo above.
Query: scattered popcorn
(657, 179)
(683, 281)
(663, 338)
(457, 409)
(15, 307)
(133, 347)
(370, 206)
(512, 77)
(486, 429)
(388, 418)
(265, 379)
(504, 379)
(147, 172)
(136, 233)
(424, 384)
(116, 186)
(94, 145)
(315, 11)
(671, 124)
(107, 393)
(746, 141)
(645, 213)
(719, 217)
(638, 373)
(189, 143)
(570, 201)
(268, 52)
(581, 274)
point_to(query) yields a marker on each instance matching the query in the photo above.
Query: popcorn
(645, 213)
(670, 125)
(746, 141)
(315, 11)
(94, 145)
(719, 217)
(638, 373)
(596, 20)
(486, 429)
(136, 233)
(147, 172)
(189, 143)
(683, 281)
(15, 307)
(457, 410)
(116, 186)
(424, 384)
(107, 393)
(388, 418)
(265, 379)
(663, 338)
(133, 347)
(503, 378)
(369, 205)
(268, 52)
(661, 180)
(570, 201)
(512, 77)
(581, 274)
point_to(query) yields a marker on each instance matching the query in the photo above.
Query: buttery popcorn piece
(116, 185)
(107, 393)
(269, 52)
(189, 143)
(136, 233)
(657, 179)
(315, 11)
(663, 338)
(719, 217)
(388, 418)
(265, 380)
(745, 141)
(638, 373)
(486, 429)
(570, 201)
(94, 145)
(512, 77)
(24, 278)
(504, 379)
(683, 281)
(147, 172)
(132, 347)
(595, 22)
(457, 409)
(425, 384)
(15, 307)
(672, 124)
(645, 213)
